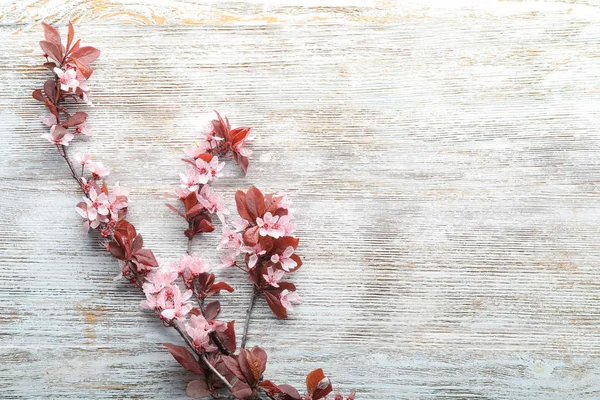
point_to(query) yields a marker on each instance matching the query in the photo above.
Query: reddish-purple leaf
(233, 366)
(198, 389)
(52, 34)
(146, 257)
(251, 236)
(212, 310)
(195, 210)
(282, 243)
(138, 243)
(240, 201)
(227, 337)
(50, 90)
(170, 207)
(291, 392)
(241, 390)
(76, 119)
(185, 358)
(275, 305)
(317, 384)
(86, 54)
(52, 50)
(217, 287)
(37, 94)
(255, 202)
(116, 251)
(70, 36)
(242, 161)
(85, 70)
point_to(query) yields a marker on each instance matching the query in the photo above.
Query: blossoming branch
(261, 244)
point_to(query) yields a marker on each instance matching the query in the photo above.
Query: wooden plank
(443, 164)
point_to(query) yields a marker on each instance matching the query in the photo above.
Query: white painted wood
(443, 163)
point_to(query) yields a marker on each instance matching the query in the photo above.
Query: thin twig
(189, 249)
(202, 356)
(248, 313)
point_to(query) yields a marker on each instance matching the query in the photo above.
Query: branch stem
(248, 314)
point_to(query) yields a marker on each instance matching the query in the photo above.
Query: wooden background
(443, 161)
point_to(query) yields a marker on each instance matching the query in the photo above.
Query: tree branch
(248, 313)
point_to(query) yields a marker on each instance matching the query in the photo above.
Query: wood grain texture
(443, 161)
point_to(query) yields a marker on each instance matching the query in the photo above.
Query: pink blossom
(190, 267)
(98, 169)
(240, 225)
(82, 129)
(211, 139)
(212, 201)
(67, 79)
(228, 260)
(83, 158)
(215, 166)
(288, 298)
(190, 180)
(284, 202)
(82, 209)
(182, 193)
(49, 120)
(96, 205)
(230, 239)
(58, 135)
(284, 225)
(269, 226)
(117, 200)
(199, 329)
(243, 150)
(284, 259)
(197, 149)
(273, 276)
(204, 171)
(254, 251)
(159, 279)
(172, 304)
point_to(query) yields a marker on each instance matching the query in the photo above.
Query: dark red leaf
(50, 90)
(298, 260)
(238, 135)
(240, 201)
(291, 392)
(138, 243)
(86, 54)
(275, 305)
(270, 387)
(70, 36)
(76, 119)
(242, 161)
(251, 236)
(195, 210)
(37, 94)
(104, 187)
(261, 355)
(217, 287)
(116, 251)
(282, 243)
(212, 310)
(286, 285)
(198, 389)
(185, 358)
(85, 70)
(245, 367)
(233, 366)
(174, 209)
(241, 390)
(145, 257)
(227, 337)
(254, 365)
(317, 384)
(52, 35)
(75, 46)
(255, 202)
(52, 50)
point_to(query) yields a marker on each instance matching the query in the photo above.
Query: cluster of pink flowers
(261, 244)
